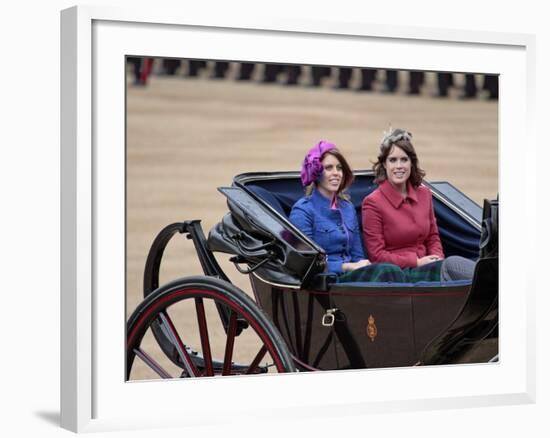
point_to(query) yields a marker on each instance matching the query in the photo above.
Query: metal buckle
(328, 318)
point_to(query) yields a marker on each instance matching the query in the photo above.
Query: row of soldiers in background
(272, 72)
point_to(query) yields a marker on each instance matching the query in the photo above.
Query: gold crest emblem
(372, 331)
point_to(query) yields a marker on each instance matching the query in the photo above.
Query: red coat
(399, 230)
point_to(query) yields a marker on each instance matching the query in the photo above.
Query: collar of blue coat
(319, 200)
(395, 198)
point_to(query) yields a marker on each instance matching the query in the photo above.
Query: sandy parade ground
(186, 137)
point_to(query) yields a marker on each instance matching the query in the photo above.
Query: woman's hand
(427, 259)
(352, 266)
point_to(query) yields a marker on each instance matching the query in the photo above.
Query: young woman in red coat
(399, 225)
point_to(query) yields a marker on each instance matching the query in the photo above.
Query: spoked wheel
(177, 332)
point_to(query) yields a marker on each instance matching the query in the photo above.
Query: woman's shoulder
(423, 192)
(345, 200)
(302, 211)
(373, 196)
(346, 204)
(303, 203)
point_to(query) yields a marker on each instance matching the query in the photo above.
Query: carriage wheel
(177, 326)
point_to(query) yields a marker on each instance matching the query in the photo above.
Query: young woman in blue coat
(326, 215)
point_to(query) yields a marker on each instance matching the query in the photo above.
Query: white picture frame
(94, 395)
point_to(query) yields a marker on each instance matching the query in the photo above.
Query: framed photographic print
(192, 126)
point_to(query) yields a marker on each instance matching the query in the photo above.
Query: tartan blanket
(388, 273)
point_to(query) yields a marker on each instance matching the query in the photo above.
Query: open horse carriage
(301, 318)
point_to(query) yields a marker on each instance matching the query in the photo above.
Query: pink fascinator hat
(312, 167)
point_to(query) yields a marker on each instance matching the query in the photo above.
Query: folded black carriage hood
(266, 242)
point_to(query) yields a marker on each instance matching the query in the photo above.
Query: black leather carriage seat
(283, 202)
(457, 236)
(279, 204)
(285, 197)
(282, 198)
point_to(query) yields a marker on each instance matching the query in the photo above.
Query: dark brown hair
(347, 174)
(403, 140)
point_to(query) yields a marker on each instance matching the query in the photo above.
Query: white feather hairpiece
(394, 135)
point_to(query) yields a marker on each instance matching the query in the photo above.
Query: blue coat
(334, 230)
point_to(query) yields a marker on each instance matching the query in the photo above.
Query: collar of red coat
(395, 198)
